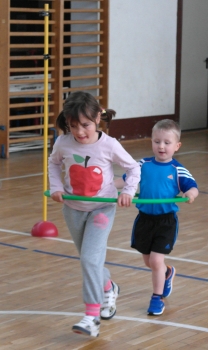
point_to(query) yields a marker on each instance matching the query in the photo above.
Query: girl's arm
(119, 183)
(131, 168)
(124, 199)
(55, 173)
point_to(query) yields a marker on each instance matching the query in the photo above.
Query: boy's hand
(191, 194)
(57, 196)
(124, 200)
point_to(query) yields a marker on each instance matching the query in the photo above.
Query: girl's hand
(124, 200)
(57, 196)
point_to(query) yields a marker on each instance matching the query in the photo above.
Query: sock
(93, 310)
(168, 272)
(157, 295)
(108, 286)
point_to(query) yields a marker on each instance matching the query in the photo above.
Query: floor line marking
(108, 248)
(13, 246)
(21, 177)
(117, 264)
(40, 174)
(123, 318)
(106, 262)
(191, 152)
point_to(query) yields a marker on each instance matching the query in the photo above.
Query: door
(194, 75)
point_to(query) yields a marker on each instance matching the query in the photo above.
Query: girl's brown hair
(78, 103)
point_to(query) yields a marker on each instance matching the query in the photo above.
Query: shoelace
(109, 298)
(86, 320)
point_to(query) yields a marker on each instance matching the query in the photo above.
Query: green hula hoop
(114, 200)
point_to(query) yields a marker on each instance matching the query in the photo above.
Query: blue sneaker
(168, 286)
(156, 306)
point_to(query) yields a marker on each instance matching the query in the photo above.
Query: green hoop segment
(114, 200)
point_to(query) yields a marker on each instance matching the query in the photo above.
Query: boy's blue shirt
(162, 180)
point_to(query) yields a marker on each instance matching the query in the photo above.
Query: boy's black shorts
(154, 233)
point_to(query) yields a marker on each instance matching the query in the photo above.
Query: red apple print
(85, 181)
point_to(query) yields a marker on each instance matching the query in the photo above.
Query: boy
(156, 226)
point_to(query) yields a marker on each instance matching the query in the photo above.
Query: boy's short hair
(168, 125)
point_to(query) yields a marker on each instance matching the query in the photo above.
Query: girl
(88, 156)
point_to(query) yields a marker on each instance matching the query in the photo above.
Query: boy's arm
(187, 184)
(192, 193)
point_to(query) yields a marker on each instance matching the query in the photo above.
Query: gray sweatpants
(90, 231)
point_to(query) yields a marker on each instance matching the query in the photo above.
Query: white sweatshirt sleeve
(55, 165)
(131, 167)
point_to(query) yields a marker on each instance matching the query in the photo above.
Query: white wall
(87, 49)
(194, 75)
(142, 57)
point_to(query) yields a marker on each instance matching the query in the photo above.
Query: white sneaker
(89, 325)
(108, 308)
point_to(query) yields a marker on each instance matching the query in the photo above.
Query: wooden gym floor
(40, 278)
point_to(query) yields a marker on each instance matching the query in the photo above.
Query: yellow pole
(45, 148)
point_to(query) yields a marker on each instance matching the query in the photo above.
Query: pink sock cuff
(108, 286)
(92, 309)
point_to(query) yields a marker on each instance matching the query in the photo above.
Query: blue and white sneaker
(108, 308)
(156, 306)
(168, 286)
